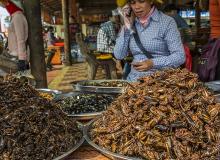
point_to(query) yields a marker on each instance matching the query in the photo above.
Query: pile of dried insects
(32, 127)
(85, 103)
(169, 115)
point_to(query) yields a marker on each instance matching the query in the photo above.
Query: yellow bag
(104, 56)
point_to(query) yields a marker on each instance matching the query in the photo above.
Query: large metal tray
(86, 116)
(80, 86)
(217, 98)
(83, 116)
(213, 85)
(65, 155)
(111, 155)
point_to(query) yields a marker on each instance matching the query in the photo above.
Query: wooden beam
(97, 10)
(35, 40)
(65, 11)
(198, 17)
(73, 8)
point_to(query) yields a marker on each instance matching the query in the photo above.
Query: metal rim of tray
(99, 89)
(85, 116)
(49, 91)
(79, 144)
(54, 93)
(213, 82)
(107, 153)
(213, 85)
(82, 116)
(217, 98)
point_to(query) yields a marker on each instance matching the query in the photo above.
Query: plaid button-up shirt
(106, 38)
(160, 37)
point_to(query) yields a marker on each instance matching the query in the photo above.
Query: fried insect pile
(107, 84)
(85, 103)
(169, 115)
(31, 127)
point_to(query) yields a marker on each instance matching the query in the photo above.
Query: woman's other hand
(143, 66)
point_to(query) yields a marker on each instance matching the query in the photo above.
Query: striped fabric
(106, 38)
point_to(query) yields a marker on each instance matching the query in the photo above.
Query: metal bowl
(65, 155)
(82, 116)
(109, 154)
(54, 93)
(217, 98)
(49, 91)
(86, 116)
(213, 85)
(81, 87)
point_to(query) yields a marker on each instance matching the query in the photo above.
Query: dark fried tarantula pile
(169, 115)
(31, 127)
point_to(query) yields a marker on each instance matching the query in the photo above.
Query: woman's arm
(122, 42)
(175, 47)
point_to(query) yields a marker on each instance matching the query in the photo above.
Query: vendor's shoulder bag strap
(139, 44)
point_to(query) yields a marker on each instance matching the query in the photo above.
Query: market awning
(85, 6)
(51, 5)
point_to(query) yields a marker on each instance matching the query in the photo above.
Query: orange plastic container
(61, 44)
(57, 57)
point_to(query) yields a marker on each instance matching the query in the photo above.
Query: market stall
(170, 114)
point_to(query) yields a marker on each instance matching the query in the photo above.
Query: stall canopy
(85, 6)
(96, 6)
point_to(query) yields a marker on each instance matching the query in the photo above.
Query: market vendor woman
(158, 35)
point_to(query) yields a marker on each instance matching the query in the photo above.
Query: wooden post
(65, 11)
(73, 8)
(198, 17)
(35, 40)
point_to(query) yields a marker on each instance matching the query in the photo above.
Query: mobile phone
(127, 10)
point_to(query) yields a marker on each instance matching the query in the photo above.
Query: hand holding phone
(127, 16)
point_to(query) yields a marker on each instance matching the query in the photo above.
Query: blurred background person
(107, 34)
(106, 39)
(17, 33)
(50, 41)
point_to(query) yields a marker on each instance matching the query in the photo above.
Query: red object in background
(12, 8)
(60, 44)
(214, 7)
(188, 62)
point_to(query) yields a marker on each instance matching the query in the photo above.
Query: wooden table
(87, 152)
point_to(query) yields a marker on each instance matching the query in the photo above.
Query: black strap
(139, 44)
